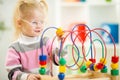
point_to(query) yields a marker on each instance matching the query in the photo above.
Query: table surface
(89, 79)
(86, 76)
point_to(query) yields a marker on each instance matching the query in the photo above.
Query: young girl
(22, 61)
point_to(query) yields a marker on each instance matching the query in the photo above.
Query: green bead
(42, 71)
(62, 61)
(83, 69)
(104, 70)
(114, 72)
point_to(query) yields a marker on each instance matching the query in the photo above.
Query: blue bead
(61, 76)
(42, 57)
(92, 67)
(104, 67)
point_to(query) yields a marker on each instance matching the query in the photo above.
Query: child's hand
(34, 77)
(48, 77)
(62, 54)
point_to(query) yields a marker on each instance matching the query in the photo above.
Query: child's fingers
(38, 76)
(47, 77)
(33, 77)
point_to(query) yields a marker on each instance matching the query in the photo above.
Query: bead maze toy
(80, 34)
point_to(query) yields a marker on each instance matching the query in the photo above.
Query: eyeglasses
(34, 23)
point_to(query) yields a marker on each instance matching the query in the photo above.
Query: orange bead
(95, 68)
(43, 66)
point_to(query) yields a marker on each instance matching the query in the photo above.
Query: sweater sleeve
(13, 65)
(12, 59)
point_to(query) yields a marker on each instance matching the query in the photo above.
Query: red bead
(100, 66)
(93, 60)
(42, 62)
(115, 59)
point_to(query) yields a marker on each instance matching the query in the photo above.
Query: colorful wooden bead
(93, 60)
(83, 69)
(114, 66)
(62, 61)
(92, 67)
(114, 72)
(104, 67)
(42, 71)
(104, 70)
(62, 69)
(61, 76)
(103, 61)
(42, 57)
(42, 62)
(43, 66)
(88, 63)
(59, 32)
(99, 65)
(95, 68)
(115, 59)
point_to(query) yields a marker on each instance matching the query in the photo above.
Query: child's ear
(19, 22)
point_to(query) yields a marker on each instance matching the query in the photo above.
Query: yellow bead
(88, 63)
(103, 61)
(59, 32)
(95, 68)
(62, 69)
(114, 66)
(43, 66)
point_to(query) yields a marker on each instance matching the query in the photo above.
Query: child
(22, 60)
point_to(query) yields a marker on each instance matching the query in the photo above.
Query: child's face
(32, 23)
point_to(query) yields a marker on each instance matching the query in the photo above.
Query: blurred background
(66, 13)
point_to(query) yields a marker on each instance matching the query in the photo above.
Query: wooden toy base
(91, 75)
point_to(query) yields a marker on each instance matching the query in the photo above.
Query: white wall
(6, 10)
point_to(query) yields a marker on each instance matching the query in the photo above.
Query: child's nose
(38, 25)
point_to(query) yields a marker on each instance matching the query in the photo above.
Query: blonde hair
(24, 5)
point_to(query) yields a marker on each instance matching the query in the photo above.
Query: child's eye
(34, 23)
